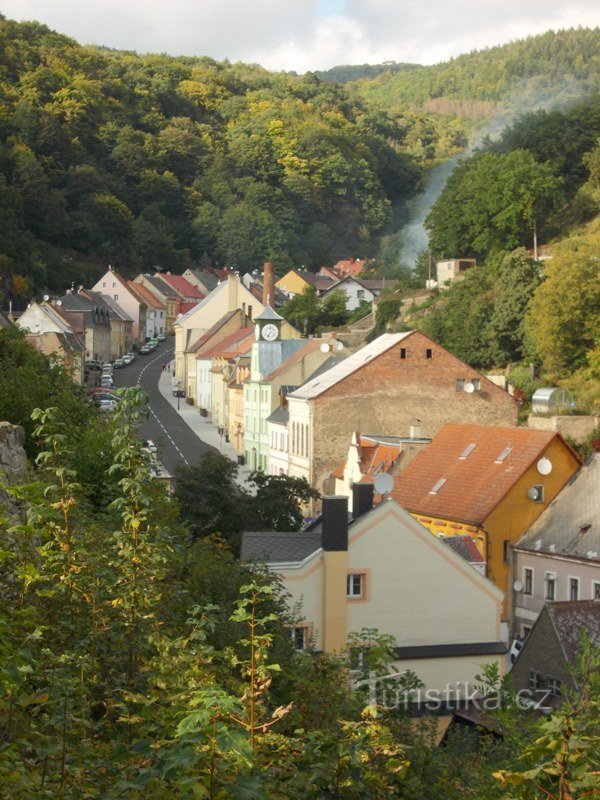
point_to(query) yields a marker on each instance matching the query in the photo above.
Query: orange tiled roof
(141, 291)
(478, 465)
(376, 457)
(350, 266)
(232, 345)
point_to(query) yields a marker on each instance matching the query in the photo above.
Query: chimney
(362, 499)
(334, 540)
(268, 284)
(415, 429)
(335, 523)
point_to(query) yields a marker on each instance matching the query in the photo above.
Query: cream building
(386, 571)
(50, 333)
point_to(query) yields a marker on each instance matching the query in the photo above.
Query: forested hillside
(113, 157)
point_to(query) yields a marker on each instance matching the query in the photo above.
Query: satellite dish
(518, 586)
(544, 466)
(179, 316)
(384, 483)
(532, 493)
(338, 346)
(469, 388)
(59, 302)
(324, 347)
(46, 297)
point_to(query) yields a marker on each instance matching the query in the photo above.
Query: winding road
(176, 442)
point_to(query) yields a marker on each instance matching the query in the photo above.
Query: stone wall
(576, 428)
(13, 461)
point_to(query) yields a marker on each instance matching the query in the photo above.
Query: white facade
(113, 285)
(203, 383)
(300, 438)
(354, 291)
(279, 462)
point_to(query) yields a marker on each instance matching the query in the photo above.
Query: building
(356, 291)
(165, 294)
(185, 289)
(373, 455)
(385, 571)
(223, 374)
(452, 270)
(398, 380)
(125, 294)
(228, 296)
(275, 361)
(121, 324)
(542, 669)
(202, 279)
(487, 482)
(156, 312)
(296, 282)
(559, 556)
(91, 320)
(51, 333)
(204, 347)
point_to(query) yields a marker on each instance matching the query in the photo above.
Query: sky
(304, 35)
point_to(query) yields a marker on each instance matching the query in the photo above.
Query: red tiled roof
(182, 286)
(350, 266)
(183, 306)
(145, 294)
(375, 458)
(238, 342)
(474, 478)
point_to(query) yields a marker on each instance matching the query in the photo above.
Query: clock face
(270, 332)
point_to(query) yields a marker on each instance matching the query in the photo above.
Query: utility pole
(535, 247)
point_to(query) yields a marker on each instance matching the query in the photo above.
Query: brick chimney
(268, 284)
(335, 571)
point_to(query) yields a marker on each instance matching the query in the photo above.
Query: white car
(150, 447)
(108, 405)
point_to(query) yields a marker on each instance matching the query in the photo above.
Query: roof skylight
(467, 451)
(437, 486)
(504, 454)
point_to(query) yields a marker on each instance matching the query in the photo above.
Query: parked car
(161, 337)
(128, 359)
(119, 364)
(107, 405)
(149, 446)
(145, 350)
(106, 381)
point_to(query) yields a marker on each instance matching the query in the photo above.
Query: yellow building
(489, 483)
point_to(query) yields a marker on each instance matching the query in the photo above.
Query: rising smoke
(414, 239)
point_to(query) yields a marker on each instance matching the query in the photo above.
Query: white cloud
(304, 34)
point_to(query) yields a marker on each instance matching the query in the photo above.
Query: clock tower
(268, 326)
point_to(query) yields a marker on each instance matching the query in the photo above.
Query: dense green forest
(137, 161)
(143, 160)
(140, 659)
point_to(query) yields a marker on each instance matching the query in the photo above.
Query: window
(460, 385)
(360, 294)
(403, 352)
(573, 588)
(534, 680)
(300, 637)
(506, 551)
(504, 454)
(355, 585)
(435, 489)
(550, 585)
(527, 581)
(554, 686)
(476, 384)
(429, 353)
(595, 590)
(467, 451)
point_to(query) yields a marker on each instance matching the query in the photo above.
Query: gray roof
(271, 355)
(571, 523)
(268, 313)
(162, 286)
(570, 618)
(280, 416)
(279, 547)
(350, 365)
(208, 280)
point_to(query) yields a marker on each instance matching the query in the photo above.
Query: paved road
(176, 442)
